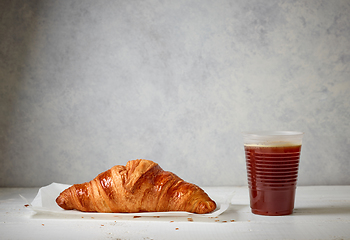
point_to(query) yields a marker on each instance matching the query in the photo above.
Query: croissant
(140, 186)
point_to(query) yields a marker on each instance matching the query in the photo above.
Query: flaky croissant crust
(140, 186)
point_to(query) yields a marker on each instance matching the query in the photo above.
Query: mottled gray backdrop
(86, 85)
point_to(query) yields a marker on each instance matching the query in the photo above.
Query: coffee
(272, 172)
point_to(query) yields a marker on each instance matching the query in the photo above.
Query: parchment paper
(45, 202)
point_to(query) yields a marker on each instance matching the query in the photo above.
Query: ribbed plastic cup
(272, 159)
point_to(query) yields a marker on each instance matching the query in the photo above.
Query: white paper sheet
(45, 202)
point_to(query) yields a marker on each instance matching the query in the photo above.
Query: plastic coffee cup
(272, 159)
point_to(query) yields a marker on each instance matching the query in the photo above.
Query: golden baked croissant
(140, 186)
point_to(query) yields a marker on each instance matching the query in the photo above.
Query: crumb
(43, 224)
(217, 220)
(232, 220)
(102, 225)
(27, 205)
(224, 221)
(176, 228)
(92, 217)
(82, 217)
(190, 219)
(156, 216)
(171, 221)
(137, 216)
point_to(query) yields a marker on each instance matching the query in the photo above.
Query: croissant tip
(206, 207)
(61, 201)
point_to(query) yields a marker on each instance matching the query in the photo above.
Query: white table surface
(321, 212)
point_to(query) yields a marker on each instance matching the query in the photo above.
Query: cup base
(259, 212)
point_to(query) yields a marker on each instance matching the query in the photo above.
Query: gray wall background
(85, 85)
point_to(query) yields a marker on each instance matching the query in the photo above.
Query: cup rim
(272, 133)
(270, 138)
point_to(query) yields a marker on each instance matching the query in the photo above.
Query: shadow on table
(323, 210)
